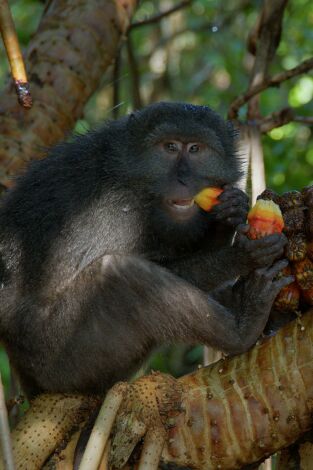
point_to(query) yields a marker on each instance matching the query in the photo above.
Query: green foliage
(199, 55)
(5, 368)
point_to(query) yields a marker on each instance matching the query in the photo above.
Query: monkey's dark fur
(100, 263)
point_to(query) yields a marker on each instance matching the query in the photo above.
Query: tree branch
(304, 119)
(273, 81)
(266, 38)
(160, 16)
(282, 117)
(116, 84)
(135, 75)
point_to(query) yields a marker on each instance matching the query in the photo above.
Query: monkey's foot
(133, 412)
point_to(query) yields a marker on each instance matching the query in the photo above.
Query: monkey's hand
(253, 254)
(233, 207)
(252, 300)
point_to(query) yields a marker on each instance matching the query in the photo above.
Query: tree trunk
(236, 412)
(73, 46)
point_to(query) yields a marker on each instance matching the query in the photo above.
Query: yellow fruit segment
(265, 218)
(207, 198)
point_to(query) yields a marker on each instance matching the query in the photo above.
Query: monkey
(104, 255)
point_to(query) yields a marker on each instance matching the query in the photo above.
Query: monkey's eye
(171, 147)
(194, 148)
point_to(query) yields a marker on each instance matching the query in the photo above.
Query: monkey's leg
(106, 321)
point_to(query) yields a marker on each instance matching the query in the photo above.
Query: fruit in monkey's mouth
(208, 198)
(264, 218)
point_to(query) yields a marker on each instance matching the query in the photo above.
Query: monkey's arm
(103, 324)
(208, 269)
(218, 260)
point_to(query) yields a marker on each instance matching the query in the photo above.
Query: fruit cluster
(297, 212)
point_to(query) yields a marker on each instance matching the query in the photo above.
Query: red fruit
(264, 218)
(289, 296)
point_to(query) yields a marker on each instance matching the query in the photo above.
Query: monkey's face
(183, 160)
(171, 172)
(178, 150)
(176, 168)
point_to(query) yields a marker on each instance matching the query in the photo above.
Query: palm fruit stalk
(292, 206)
(297, 208)
(208, 198)
(266, 218)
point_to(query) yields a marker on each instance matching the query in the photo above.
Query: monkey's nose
(181, 181)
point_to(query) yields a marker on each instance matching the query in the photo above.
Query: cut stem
(14, 54)
(102, 428)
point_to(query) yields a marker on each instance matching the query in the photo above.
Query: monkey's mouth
(182, 208)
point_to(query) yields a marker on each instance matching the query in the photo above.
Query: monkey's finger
(235, 194)
(230, 186)
(265, 261)
(273, 250)
(271, 272)
(283, 282)
(230, 203)
(232, 211)
(261, 280)
(242, 229)
(233, 221)
(268, 240)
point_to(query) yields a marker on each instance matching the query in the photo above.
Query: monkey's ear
(133, 118)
